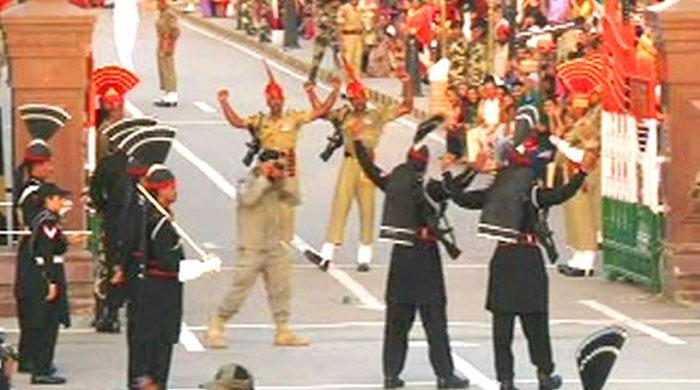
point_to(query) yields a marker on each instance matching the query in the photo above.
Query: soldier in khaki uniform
(357, 121)
(351, 28)
(583, 212)
(260, 250)
(168, 33)
(327, 35)
(278, 130)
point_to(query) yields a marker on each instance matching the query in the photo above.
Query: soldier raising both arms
(278, 131)
(358, 121)
(416, 281)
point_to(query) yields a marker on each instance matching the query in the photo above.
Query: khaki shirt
(350, 18)
(279, 134)
(371, 124)
(259, 212)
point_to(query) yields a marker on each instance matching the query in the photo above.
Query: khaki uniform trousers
(289, 210)
(275, 265)
(583, 215)
(166, 73)
(352, 184)
(352, 50)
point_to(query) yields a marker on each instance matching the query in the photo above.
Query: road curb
(277, 55)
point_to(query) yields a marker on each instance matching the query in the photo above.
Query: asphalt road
(340, 312)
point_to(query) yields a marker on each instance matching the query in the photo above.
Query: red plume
(272, 88)
(355, 88)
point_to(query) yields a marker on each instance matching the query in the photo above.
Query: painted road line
(380, 324)
(368, 301)
(185, 152)
(453, 344)
(189, 340)
(205, 107)
(632, 323)
(475, 376)
(183, 122)
(612, 381)
(213, 175)
(359, 291)
(288, 71)
(374, 266)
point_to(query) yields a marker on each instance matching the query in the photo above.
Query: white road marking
(189, 340)
(361, 293)
(475, 376)
(213, 175)
(185, 152)
(612, 381)
(374, 266)
(205, 107)
(196, 122)
(453, 344)
(380, 324)
(632, 323)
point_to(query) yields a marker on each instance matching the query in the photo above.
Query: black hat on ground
(230, 377)
(597, 354)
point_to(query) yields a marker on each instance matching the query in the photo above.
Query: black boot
(47, 380)
(548, 381)
(452, 381)
(508, 385)
(393, 382)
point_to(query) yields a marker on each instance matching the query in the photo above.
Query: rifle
(254, 143)
(544, 234)
(335, 141)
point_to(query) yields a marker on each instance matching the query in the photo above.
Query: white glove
(212, 264)
(190, 270)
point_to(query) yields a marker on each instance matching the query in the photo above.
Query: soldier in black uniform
(44, 286)
(107, 193)
(415, 275)
(518, 284)
(42, 123)
(158, 295)
(145, 148)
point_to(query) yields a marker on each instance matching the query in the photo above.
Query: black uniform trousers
(43, 341)
(536, 328)
(151, 358)
(399, 320)
(24, 346)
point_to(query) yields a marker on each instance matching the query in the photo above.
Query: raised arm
(229, 113)
(542, 197)
(321, 109)
(373, 172)
(407, 105)
(456, 186)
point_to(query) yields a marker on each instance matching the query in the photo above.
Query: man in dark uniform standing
(42, 123)
(518, 284)
(44, 285)
(158, 295)
(107, 190)
(416, 281)
(145, 148)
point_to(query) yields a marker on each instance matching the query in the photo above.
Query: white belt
(56, 260)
